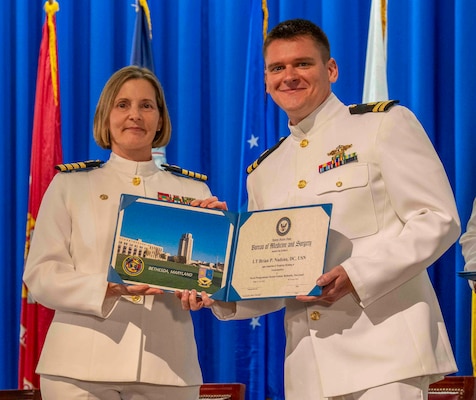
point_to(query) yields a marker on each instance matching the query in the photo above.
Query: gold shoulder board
(79, 166)
(263, 155)
(184, 172)
(376, 106)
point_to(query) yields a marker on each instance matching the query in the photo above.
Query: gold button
(136, 299)
(302, 184)
(104, 197)
(315, 315)
(338, 183)
(136, 181)
(304, 143)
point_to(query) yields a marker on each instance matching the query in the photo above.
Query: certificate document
(231, 256)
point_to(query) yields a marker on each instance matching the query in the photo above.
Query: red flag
(45, 154)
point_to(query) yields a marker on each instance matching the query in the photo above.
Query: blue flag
(254, 133)
(262, 339)
(141, 55)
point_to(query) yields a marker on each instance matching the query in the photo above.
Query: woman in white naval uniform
(377, 331)
(111, 341)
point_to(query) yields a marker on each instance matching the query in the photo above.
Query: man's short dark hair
(293, 28)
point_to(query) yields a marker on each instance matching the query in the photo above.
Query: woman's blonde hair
(101, 132)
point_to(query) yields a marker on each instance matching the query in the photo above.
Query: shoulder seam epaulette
(376, 106)
(184, 172)
(79, 166)
(263, 155)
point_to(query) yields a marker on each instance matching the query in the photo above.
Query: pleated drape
(200, 50)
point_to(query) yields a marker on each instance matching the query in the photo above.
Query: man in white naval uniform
(377, 331)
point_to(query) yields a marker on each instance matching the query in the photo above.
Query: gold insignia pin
(338, 158)
(339, 151)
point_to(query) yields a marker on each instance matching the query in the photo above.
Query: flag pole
(46, 152)
(375, 78)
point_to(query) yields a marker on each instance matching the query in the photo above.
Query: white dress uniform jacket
(396, 207)
(145, 339)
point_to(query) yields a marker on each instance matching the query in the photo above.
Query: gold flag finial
(145, 6)
(51, 8)
(383, 16)
(264, 7)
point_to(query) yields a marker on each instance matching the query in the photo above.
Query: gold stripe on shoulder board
(79, 166)
(185, 172)
(263, 155)
(376, 106)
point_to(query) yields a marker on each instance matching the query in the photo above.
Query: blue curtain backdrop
(200, 55)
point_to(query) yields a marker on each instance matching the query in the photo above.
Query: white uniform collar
(315, 119)
(143, 168)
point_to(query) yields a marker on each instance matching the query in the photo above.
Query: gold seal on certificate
(231, 256)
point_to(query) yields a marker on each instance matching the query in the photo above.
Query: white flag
(375, 82)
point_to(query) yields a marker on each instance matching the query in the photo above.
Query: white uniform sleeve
(419, 192)
(50, 274)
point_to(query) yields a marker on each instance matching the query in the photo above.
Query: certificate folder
(469, 275)
(231, 256)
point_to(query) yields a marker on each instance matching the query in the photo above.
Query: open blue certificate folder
(231, 256)
(470, 275)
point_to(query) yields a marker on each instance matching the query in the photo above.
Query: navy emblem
(133, 265)
(283, 226)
